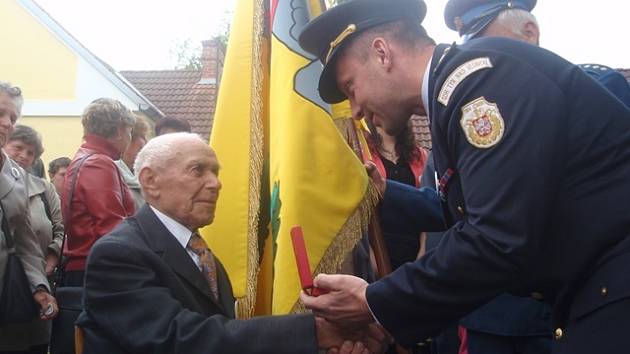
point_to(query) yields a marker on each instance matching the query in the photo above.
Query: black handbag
(16, 301)
(69, 298)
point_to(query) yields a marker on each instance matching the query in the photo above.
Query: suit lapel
(164, 243)
(226, 296)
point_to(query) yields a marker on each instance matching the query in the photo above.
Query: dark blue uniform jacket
(533, 212)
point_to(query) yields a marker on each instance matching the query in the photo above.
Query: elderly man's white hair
(515, 20)
(160, 149)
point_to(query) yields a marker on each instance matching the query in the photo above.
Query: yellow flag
(317, 181)
(238, 137)
(283, 161)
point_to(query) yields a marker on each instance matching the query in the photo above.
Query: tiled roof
(178, 94)
(420, 125)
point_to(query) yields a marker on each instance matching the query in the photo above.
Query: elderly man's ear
(149, 180)
(531, 33)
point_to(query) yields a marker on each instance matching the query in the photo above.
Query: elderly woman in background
(24, 147)
(125, 164)
(95, 198)
(15, 211)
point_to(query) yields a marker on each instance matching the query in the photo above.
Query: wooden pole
(375, 232)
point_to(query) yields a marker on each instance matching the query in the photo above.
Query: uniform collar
(182, 233)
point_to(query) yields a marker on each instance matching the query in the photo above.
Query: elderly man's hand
(377, 178)
(344, 303)
(339, 339)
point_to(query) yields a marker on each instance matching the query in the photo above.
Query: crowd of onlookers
(84, 198)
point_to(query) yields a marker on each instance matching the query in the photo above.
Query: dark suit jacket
(144, 294)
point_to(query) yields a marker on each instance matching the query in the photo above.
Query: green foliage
(186, 55)
(223, 33)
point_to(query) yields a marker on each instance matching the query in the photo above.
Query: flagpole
(375, 232)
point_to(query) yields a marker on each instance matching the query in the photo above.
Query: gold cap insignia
(482, 123)
(339, 39)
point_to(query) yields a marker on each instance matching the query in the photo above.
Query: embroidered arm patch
(482, 123)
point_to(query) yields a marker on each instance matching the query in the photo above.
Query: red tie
(206, 262)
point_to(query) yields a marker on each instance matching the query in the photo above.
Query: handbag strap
(69, 208)
(44, 199)
(5, 229)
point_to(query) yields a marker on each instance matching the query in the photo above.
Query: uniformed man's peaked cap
(469, 17)
(328, 33)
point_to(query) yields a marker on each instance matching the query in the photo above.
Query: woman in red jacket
(95, 198)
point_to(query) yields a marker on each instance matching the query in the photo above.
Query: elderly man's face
(371, 90)
(8, 117)
(188, 185)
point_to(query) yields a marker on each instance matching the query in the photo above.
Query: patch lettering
(457, 76)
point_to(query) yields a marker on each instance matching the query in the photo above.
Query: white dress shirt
(182, 233)
(425, 88)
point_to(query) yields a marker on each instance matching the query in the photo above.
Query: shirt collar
(181, 232)
(425, 87)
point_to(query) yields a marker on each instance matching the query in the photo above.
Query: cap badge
(340, 38)
(482, 123)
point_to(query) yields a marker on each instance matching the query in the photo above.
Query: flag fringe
(346, 239)
(246, 305)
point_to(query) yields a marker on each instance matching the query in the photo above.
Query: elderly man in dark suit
(153, 286)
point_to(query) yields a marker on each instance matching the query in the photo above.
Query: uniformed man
(533, 159)
(488, 330)
(513, 19)
(528, 328)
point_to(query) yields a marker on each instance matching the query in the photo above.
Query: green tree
(187, 55)
(223, 32)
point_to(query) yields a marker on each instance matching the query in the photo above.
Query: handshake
(343, 320)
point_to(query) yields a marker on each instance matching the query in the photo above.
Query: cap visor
(328, 89)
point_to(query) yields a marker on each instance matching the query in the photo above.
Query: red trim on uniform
(463, 340)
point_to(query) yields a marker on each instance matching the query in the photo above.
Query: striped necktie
(206, 262)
